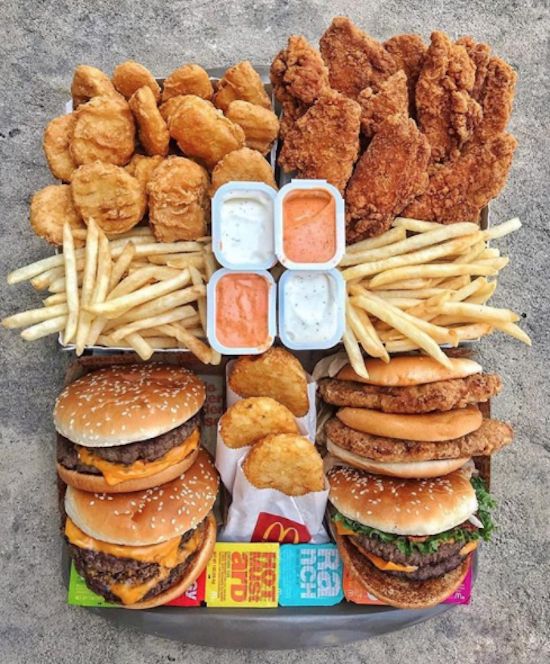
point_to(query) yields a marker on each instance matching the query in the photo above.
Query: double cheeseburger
(145, 548)
(128, 428)
(408, 542)
(413, 417)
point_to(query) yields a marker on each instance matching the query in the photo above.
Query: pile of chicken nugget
(132, 147)
(401, 127)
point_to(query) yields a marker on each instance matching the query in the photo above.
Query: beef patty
(146, 450)
(101, 570)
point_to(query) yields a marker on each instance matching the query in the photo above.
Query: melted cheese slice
(115, 473)
(468, 548)
(386, 565)
(341, 529)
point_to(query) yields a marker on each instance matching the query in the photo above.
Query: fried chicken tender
(496, 98)
(408, 52)
(104, 131)
(479, 54)
(241, 81)
(491, 436)
(298, 72)
(143, 167)
(152, 130)
(260, 125)
(392, 99)
(440, 395)
(187, 80)
(56, 142)
(51, 207)
(203, 132)
(387, 177)
(333, 124)
(291, 111)
(130, 76)
(89, 82)
(178, 200)
(242, 165)
(447, 112)
(109, 195)
(459, 189)
(355, 61)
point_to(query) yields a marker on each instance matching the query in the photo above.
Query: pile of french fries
(421, 285)
(125, 291)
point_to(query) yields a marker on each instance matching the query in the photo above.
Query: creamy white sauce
(310, 307)
(246, 227)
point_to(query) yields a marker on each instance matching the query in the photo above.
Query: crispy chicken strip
(479, 54)
(490, 437)
(441, 395)
(355, 60)
(447, 112)
(409, 52)
(391, 172)
(392, 99)
(324, 142)
(496, 99)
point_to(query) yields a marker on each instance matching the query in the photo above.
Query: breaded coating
(260, 125)
(242, 165)
(491, 436)
(355, 61)
(187, 80)
(496, 98)
(89, 82)
(441, 395)
(56, 142)
(51, 207)
(391, 99)
(241, 81)
(142, 167)
(388, 176)
(479, 54)
(130, 76)
(152, 130)
(168, 107)
(408, 52)
(446, 110)
(333, 123)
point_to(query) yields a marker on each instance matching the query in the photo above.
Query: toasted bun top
(410, 370)
(403, 506)
(147, 517)
(123, 404)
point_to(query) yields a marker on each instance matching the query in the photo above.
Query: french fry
(419, 294)
(365, 333)
(104, 267)
(42, 281)
(415, 225)
(56, 298)
(33, 269)
(393, 235)
(152, 248)
(472, 331)
(133, 281)
(71, 284)
(405, 284)
(26, 318)
(196, 346)
(142, 348)
(483, 294)
(88, 284)
(354, 353)
(433, 270)
(201, 302)
(502, 229)
(163, 259)
(44, 328)
(209, 265)
(121, 265)
(154, 342)
(154, 321)
(513, 330)
(478, 312)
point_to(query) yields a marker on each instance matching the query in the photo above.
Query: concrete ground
(40, 43)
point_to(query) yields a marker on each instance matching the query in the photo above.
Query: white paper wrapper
(252, 506)
(227, 459)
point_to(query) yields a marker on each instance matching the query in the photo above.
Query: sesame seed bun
(403, 506)
(408, 370)
(147, 517)
(124, 404)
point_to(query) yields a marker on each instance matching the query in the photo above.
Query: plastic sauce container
(311, 309)
(309, 225)
(243, 226)
(241, 311)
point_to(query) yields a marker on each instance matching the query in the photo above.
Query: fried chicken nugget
(152, 130)
(242, 165)
(51, 207)
(241, 81)
(260, 125)
(56, 142)
(109, 195)
(276, 374)
(203, 132)
(187, 80)
(104, 131)
(285, 462)
(89, 82)
(130, 76)
(248, 420)
(143, 167)
(178, 200)
(168, 107)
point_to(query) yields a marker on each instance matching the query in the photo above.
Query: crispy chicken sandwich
(408, 542)
(145, 548)
(128, 428)
(413, 417)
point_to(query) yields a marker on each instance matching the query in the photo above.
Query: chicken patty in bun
(145, 548)
(128, 428)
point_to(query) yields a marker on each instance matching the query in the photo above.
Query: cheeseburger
(128, 428)
(408, 542)
(413, 417)
(145, 548)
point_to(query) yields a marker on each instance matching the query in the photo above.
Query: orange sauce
(309, 226)
(242, 303)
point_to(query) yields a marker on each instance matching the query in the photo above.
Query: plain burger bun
(438, 426)
(97, 483)
(403, 507)
(124, 404)
(405, 469)
(147, 517)
(399, 591)
(410, 370)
